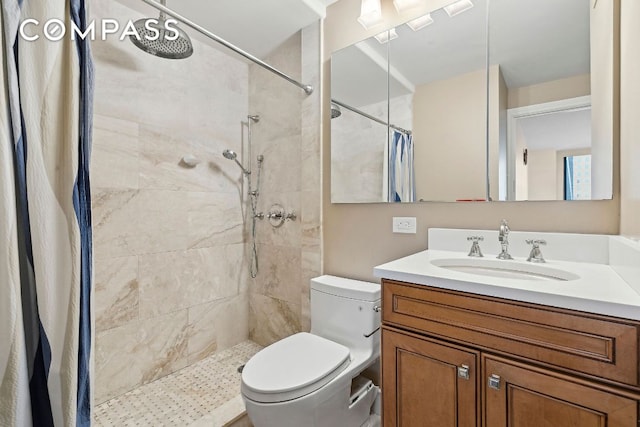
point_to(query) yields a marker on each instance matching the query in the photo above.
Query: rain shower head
(335, 111)
(231, 155)
(159, 38)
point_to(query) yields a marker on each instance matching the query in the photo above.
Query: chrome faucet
(475, 246)
(536, 253)
(503, 238)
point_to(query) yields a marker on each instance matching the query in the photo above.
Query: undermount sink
(505, 269)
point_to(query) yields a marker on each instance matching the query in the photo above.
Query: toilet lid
(293, 367)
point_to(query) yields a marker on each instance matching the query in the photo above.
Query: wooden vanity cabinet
(427, 382)
(456, 359)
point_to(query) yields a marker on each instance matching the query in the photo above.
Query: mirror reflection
(549, 104)
(359, 117)
(546, 147)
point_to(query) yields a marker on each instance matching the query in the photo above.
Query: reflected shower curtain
(401, 168)
(45, 220)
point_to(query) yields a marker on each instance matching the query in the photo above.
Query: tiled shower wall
(170, 249)
(171, 282)
(288, 136)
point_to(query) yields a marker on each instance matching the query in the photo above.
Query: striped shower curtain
(402, 178)
(45, 220)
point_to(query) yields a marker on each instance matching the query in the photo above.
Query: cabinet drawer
(573, 341)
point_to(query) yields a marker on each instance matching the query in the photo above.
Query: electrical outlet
(405, 225)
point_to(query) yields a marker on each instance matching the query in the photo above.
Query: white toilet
(312, 379)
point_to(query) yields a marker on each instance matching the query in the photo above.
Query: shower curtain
(45, 220)
(401, 168)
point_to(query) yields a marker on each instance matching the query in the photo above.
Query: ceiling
(533, 41)
(256, 26)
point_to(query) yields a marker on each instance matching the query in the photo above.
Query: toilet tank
(345, 310)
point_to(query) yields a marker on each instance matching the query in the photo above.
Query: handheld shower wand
(231, 155)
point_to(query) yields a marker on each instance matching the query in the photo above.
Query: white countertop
(599, 289)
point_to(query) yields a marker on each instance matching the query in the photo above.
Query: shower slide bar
(162, 8)
(370, 117)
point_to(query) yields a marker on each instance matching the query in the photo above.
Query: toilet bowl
(313, 379)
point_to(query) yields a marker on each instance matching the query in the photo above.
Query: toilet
(313, 379)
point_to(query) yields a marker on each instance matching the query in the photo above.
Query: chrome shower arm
(162, 8)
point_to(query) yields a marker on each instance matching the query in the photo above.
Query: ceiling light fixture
(458, 7)
(402, 5)
(370, 13)
(421, 22)
(387, 36)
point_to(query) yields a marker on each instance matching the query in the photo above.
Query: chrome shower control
(291, 216)
(277, 215)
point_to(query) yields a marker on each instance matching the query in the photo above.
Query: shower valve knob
(291, 216)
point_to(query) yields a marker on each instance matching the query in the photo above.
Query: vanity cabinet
(427, 382)
(456, 359)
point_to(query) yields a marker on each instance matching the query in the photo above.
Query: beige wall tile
(114, 213)
(310, 219)
(114, 158)
(271, 319)
(184, 226)
(214, 219)
(138, 353)
(173, 281)
(280, 273)
(217, 326)
(115, 292)
(282, 168)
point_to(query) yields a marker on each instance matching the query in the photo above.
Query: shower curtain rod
(307, 88)
(370, 117)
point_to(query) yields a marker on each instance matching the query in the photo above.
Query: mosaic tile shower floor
(184, 397)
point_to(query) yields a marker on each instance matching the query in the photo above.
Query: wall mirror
(533, 120)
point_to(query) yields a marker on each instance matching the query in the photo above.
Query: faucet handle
(536, 253)
(475, 246)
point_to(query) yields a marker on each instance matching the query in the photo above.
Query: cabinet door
(517, 396)
(427, 382)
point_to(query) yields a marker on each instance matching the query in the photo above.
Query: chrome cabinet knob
(494, 382)
(463, 372)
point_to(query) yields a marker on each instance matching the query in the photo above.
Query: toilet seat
(293, 367)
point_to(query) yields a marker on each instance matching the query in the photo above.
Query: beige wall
(571, 87)
(630, 125)
(358, 237)
(542, 176)
(449, 119)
